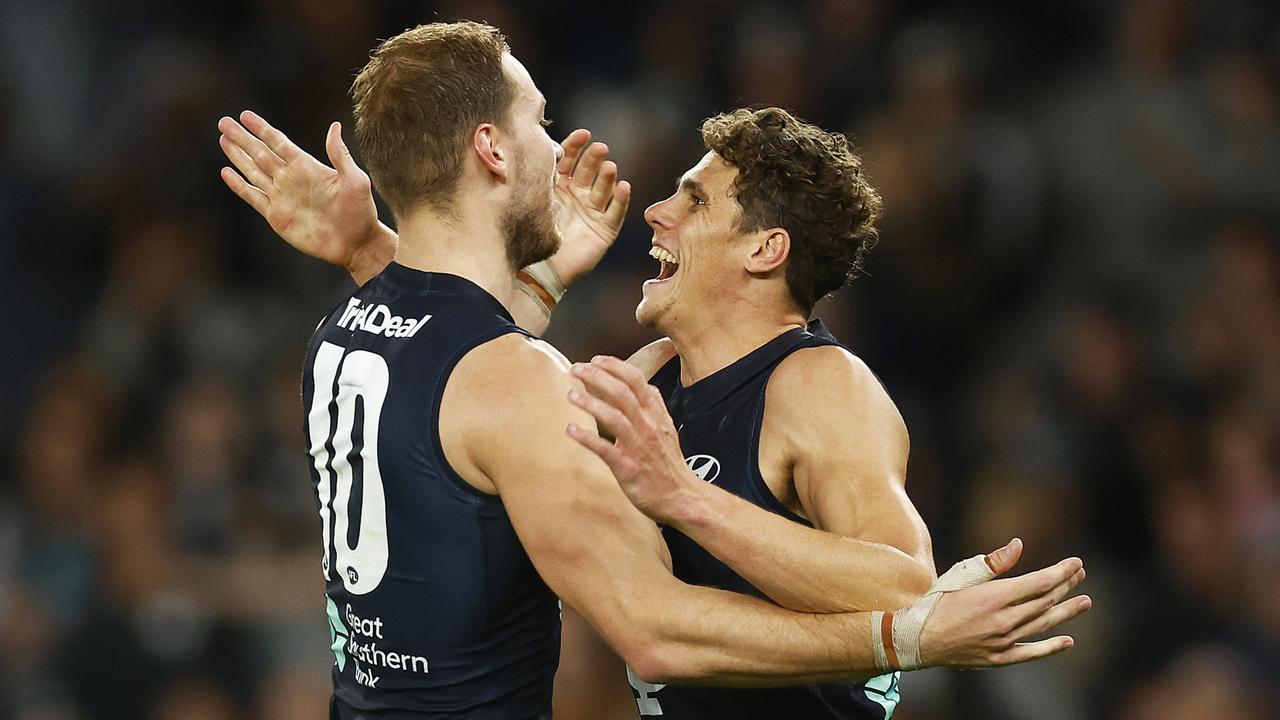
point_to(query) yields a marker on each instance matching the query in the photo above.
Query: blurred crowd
(1075, 303)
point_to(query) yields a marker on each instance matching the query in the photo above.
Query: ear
(488, 145)
(771, 250)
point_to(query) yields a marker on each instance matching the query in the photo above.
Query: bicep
(591, 546)
(850, 466)
(858, 500)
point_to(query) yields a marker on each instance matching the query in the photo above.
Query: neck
(725, 332)
(465, 246)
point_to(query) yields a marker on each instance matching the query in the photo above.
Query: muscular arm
(840, 457)
(844, 453)
(506, 417)
(603, 557)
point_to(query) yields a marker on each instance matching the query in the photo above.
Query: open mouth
(669, 266)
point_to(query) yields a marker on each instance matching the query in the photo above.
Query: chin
(646, 313)
(651, 313)
(644, 318)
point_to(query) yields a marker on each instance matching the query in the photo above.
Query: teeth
(658, 253)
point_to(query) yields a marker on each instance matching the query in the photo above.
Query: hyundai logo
(704, 466)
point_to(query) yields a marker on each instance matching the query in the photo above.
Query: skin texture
(613, 569)
(729, 295)
(869, 549)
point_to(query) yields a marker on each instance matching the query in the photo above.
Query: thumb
(337, 150)
(1002, 561)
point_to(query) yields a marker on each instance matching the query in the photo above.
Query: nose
(655, 216)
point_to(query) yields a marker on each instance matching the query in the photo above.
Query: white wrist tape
(548, 278)
(895, 636)
(537, 299)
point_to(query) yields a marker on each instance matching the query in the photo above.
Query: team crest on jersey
(704, 466)
(378, 319)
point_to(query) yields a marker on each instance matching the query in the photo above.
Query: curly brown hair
(807, 181)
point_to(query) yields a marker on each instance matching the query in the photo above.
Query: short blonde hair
(417, 102)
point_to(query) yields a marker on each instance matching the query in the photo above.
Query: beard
(529, 224)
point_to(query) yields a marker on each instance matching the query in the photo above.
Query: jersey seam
(757, 476)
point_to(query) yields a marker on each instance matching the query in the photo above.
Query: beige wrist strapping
(895, 636)
(548, 281)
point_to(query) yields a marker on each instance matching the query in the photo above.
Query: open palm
(591, 205)
(325, 212)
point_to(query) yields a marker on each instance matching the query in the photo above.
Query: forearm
(705, 636)
(799, 567)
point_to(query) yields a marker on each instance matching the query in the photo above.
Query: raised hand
(325, 212)
(592, 203)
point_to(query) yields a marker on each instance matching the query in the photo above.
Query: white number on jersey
(363, 381)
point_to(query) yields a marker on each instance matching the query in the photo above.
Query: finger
(628, 374)
(572, 146)
(1026, 652)
(257, 199)
(245, 164)
(617, 211)
(1060, 613)
(602, 191)
(607, 389)
(585, 174)
(1002, 561)
(267, 161)
(1031, 609)
(593, 442)
(608, 416)
(339, 154)
(1041, 582)
(278, 142)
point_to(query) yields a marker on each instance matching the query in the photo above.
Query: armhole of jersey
(437, 395)
(757, 477)
(757, 424)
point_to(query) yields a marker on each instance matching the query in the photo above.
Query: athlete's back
(434, 608)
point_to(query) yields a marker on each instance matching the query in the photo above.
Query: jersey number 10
(362, 388)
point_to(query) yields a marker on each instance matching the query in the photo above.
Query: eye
(545, 123)
(698, 200)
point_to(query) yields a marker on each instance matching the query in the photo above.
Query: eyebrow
(688, 184)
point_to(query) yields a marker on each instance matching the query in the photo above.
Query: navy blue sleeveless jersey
(435, 610)
(718, 420)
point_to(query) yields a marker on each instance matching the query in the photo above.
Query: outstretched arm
(611, 569)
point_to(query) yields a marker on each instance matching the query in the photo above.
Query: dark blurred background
(1075, 302)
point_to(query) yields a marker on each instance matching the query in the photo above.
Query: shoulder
(511, 370)
(822, 368)
(826, 386)
(650, 358)
(505, 403)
